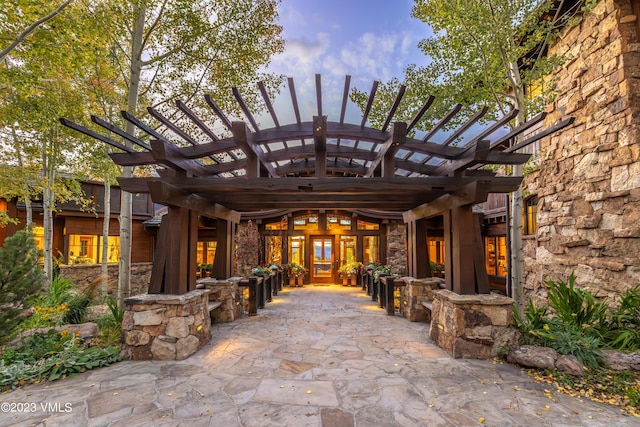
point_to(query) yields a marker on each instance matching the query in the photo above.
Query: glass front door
(322, 260)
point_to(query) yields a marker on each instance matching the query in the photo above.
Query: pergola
(316, 164)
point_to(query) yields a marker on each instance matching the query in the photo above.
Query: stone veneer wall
(85, 274)
(165, 327)
(414, 293)
(397, 247)
(472, 326)
(589, 179)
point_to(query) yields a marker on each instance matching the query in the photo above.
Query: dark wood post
(389, 297)
(253, 296)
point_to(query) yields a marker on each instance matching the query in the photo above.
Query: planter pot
(345, 281)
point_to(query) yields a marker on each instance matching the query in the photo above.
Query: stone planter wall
(84, 275)
(228, 293)
(414, 293)
(472, 326)
(165, 327)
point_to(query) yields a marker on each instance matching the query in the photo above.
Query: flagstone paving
(315, 356)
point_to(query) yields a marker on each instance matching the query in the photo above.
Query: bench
(212, 306)
(428, 305)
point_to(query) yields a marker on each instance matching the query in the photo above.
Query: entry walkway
(316, 356)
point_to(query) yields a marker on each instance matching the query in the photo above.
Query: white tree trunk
(104, 270)
(47, 207)
(517, 286)
(124, 263)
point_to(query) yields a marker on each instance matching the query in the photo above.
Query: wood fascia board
(329, 184)
(166, 194)
(472, 193)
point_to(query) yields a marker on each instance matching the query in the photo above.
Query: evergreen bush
(20, 278)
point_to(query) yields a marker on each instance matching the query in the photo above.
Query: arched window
(529, 225)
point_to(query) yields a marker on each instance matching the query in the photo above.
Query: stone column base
(165, 327)
(414, 293)
(228, 293)
(472, 326)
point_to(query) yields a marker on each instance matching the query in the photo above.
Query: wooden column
(320, 144)
(423, 269)
(465, 272)
(174, 269)
(412, 266)
(223, 261)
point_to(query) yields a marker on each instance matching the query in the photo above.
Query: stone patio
(315, 356)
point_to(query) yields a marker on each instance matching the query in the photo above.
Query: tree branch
(31, 28)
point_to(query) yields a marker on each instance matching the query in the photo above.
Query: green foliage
(350, 268)
(571, 340)
(381, 270)
(50, 356)
(533, 322)
(20, 278)
(575, 306)
(580, 325)
(116, 311)
(436, 267)
(295, 269)
(261, 270)
(480, 54)
(622, 328)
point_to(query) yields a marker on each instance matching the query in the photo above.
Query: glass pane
(306, 222)
(502, 255)
(338, 222)
(296, 250)
(274, 249)
(347, 249)
(371, 253)
(490, 254)
(83, 249)
(365, 225)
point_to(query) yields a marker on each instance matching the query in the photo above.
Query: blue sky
(367, 39)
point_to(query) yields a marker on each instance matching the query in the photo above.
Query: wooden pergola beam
(387, 153)
(166, 154)
(166, 194)
(472, 193)
(320, 145)
(255, 156)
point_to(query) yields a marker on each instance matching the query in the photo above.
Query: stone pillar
(164, 326)
(228, 293)
(397, 247)
(472, 326)
(414, 293)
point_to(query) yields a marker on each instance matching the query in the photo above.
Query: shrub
(575, 306)
(20, 278)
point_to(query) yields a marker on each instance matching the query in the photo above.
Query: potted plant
(437, 269)
(349, 271)
(261, 270)
(295, 271)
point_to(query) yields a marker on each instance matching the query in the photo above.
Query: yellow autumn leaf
(481, 420)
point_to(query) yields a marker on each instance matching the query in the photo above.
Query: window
(87, 249)
(338, 222)
(529, 224)
(371, 251)
(283, 224)
(206, 252)
(273, 249)
(496, 255)
(435, 247)
(365, 225)
(307, 222)
(296, 249)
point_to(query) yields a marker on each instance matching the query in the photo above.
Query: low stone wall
(165, 327)
(472, 326)
(414, 293)
(84, 275)
(228, 293)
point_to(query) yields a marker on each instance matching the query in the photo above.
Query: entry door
(322, 259)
